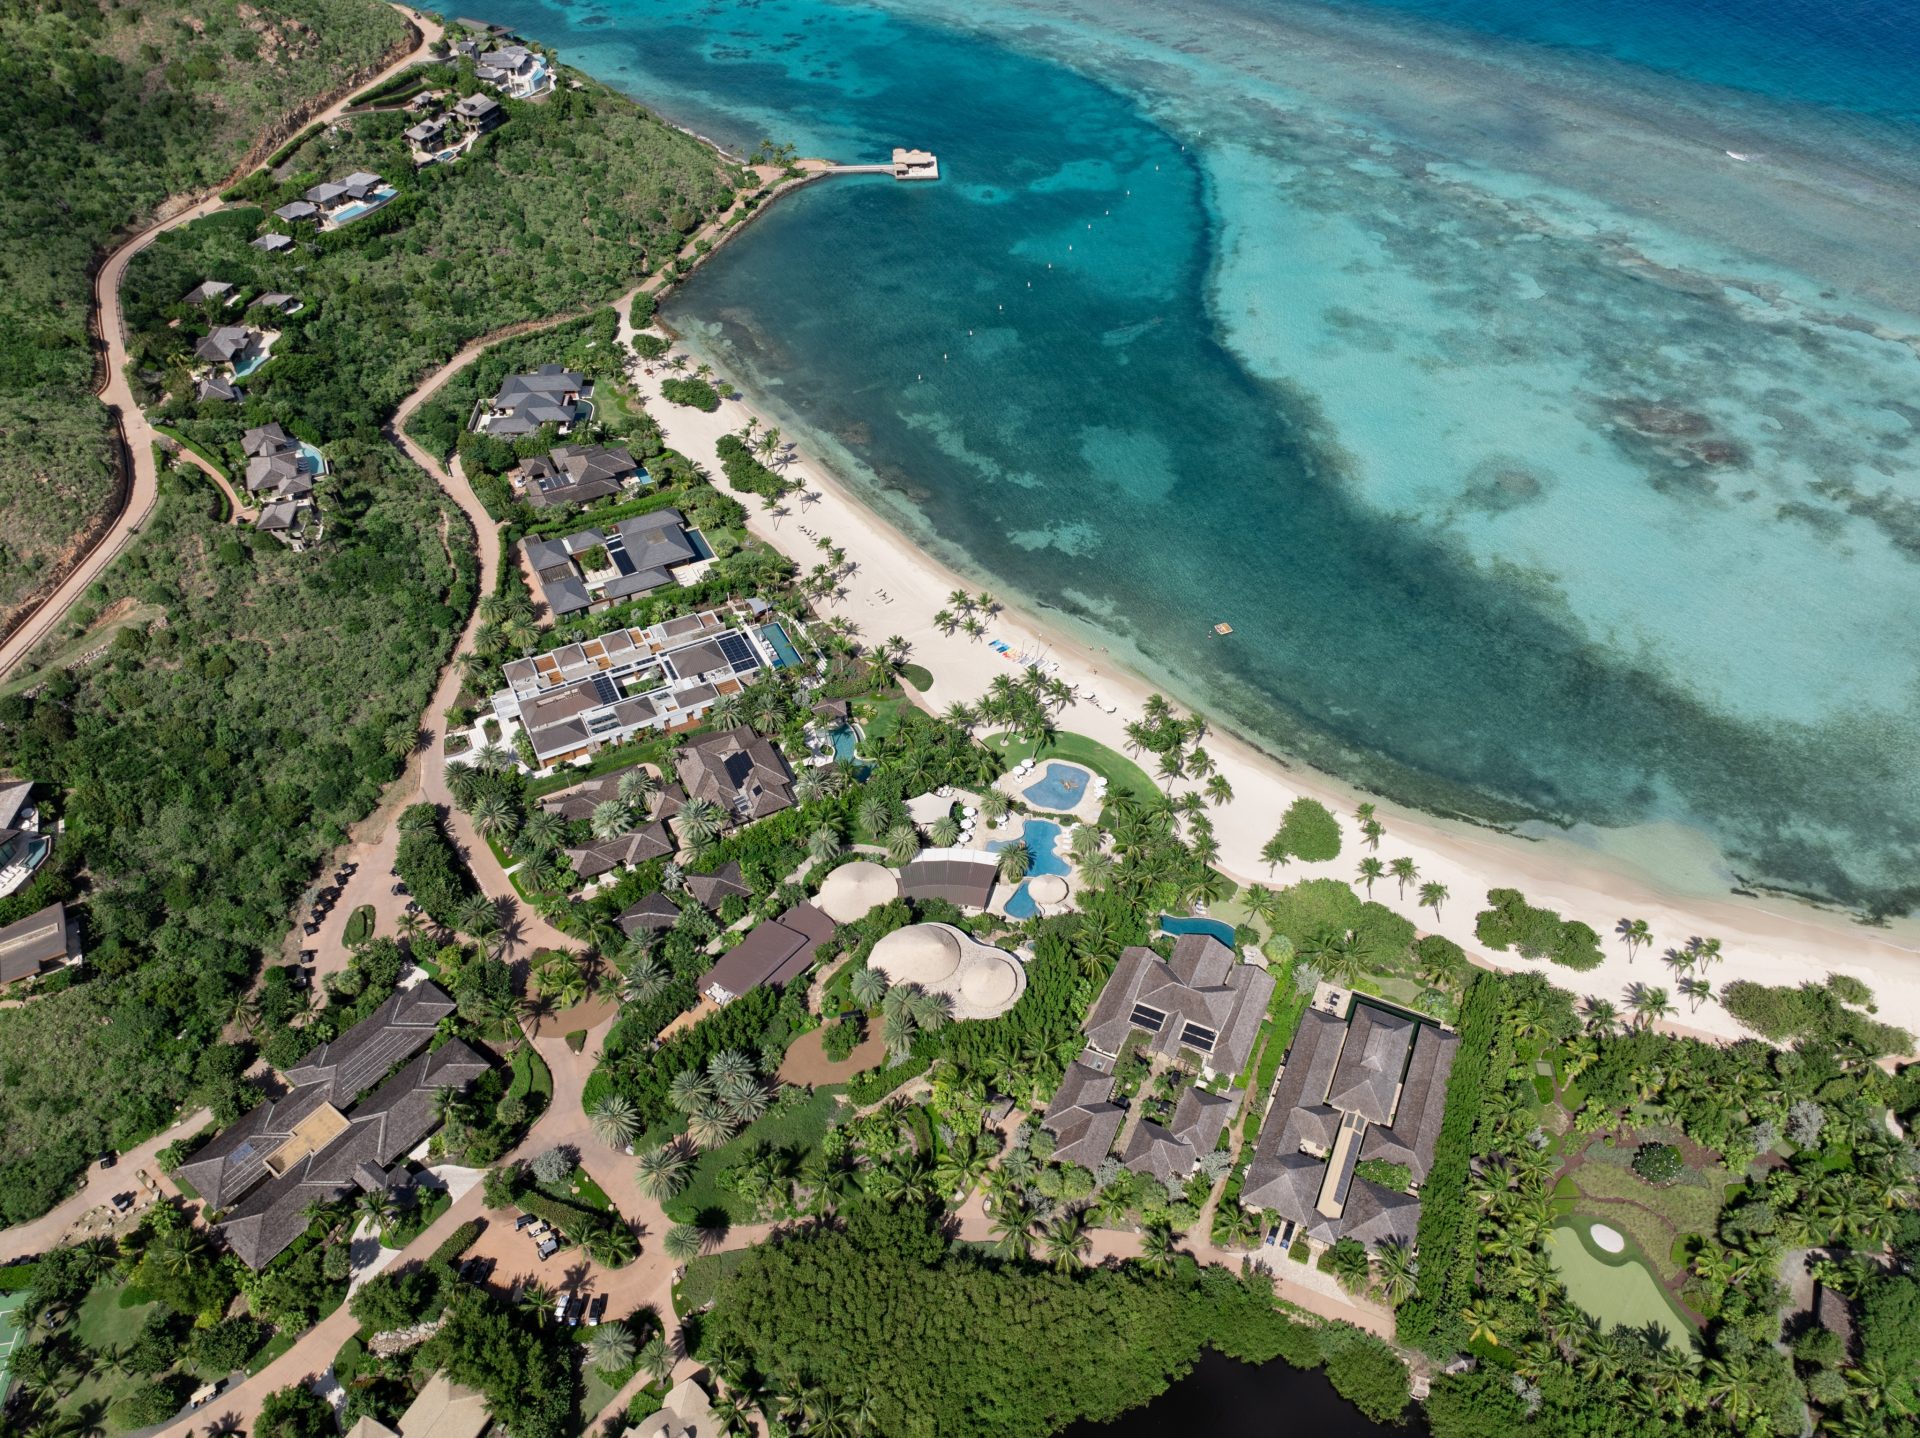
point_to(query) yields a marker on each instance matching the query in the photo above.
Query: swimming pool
(1060, 788)
(784, 654)
(845, 741)
(1041, 836)
(1175, 925)
(365, 207)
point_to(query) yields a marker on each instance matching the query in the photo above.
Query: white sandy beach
(1767, 940)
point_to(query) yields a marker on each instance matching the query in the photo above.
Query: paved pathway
(138, 435)
(57, 1225)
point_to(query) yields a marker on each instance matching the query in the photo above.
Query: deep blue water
(1519, 505)
(1856, 55)
(1224, 1398)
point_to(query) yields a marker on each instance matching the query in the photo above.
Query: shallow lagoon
(1529, 489)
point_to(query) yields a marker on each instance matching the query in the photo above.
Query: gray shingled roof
(30, 944)
(1083, 1118)
(738, 770)
(775, 951)
(1423, 1102)
(1201, 990)
(651, 915)
(1371, 1064)
(649, 841)
(966, 882)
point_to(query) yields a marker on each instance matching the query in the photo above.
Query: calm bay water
(1549, 462)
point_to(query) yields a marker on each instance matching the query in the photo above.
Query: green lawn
(1652, 1217)
(359, 926)
(1121, 772)
(703, 1278)
(102, 1323)
(1613, 1287)
(798, 1122)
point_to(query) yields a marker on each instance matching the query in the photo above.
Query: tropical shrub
(1658, 1163)
(1308, 832)
(1513, 923)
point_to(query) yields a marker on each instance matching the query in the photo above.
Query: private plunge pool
(1042, 838)
(1060, 788)
(1216, 928)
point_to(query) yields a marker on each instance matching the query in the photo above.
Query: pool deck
(1015, 786)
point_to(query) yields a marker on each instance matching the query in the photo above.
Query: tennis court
(9, 1332)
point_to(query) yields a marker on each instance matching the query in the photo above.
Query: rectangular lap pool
(784, 654)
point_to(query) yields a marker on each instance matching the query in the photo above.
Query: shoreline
(1767, 939)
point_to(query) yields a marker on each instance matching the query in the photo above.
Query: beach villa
(238, 349)
(515, 71)
(576, 700)
(576, 474)
(320, 1141)
(211, 292)
(595, 568)
(37, 943)
(1202, 1001)
(1369, 1083)
(273, 244)
(551, 394)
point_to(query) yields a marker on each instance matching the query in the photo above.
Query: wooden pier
(906, 165)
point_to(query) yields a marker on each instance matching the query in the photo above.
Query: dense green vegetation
(464, 249)
(1831, 1014)
(104, 112)
(887, 1320)
(208, 765)
(1512, 923)
(1308, 832)
(1661, 1123)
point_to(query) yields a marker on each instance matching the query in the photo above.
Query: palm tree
(823, 844)
(995, 805)
(1068, 1241)
(1219, 790)
(611, 819)
(663, 1172)
(477, 917)
(615, 1120)
(377, 1209)
(655, 1360)
(868, 986)
(1432, 895)
(709, 1127)
(1015, 860)
(689, 1090)
(611, 1349)
(612, 1245)
(1635, 932)
(700, 820)
(1158, 1246)
(1014, 1221)
(645, 979)
(944, 832)
(1480, 1325)
(1650, 1004)
(1370, 870)
(1404, 872)
(493, 813)
(1697, 992)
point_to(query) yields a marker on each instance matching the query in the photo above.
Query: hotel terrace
(579, 698)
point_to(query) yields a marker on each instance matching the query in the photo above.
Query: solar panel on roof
(1148, 1017)
(1200, 1038)
(604, 689)
(739, 653)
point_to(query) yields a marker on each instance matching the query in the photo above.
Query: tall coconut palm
(1159, 1244)
(1370, 870)
(1650, 1004)
(1068, 1239)
(1433, 894)
(1396, 1269)
(477, 917)
(1404, 871)
(663, 1172)
(700, 820)
(1636, 933)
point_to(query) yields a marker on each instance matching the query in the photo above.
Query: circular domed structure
(923, 954)
(988, 986)
(983, 982)
(1047, 889)
(854, 890)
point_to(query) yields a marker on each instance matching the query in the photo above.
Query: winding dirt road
(135, 432)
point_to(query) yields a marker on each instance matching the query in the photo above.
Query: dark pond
(1223, 1398)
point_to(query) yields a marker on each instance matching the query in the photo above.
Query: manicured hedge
(459, 1241)
(871, 1085)
(1430, 1319)
(18, 1277)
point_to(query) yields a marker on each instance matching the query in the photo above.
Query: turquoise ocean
(1532, 388)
